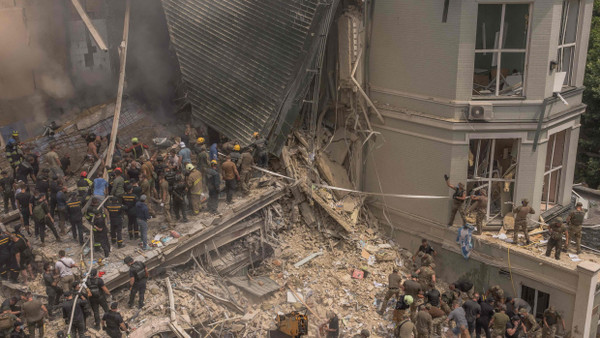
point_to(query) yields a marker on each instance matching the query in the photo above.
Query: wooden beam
(123, 54)
(88, 23)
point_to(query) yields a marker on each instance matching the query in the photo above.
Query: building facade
(468, 90)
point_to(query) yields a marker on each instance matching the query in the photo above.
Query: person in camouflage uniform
(521, 212)
(551, 321)
(575, 222)
(557, 229)
(533, 328)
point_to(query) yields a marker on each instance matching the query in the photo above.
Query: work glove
(446, 177)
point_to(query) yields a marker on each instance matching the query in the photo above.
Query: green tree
(588, 158)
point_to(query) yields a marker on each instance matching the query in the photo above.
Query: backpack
(401, 304)
(38, 213)
(139, 270)
(92, 284)
(7, 321)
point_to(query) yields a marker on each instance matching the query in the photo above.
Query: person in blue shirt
(100, 187)
(214, 153)
(143, 215)
(185, 155)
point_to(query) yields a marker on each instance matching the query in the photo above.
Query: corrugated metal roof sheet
(243, 61)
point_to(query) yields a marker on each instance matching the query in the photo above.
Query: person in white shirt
(63, 267)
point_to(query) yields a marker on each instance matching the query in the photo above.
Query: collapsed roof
(247, 64)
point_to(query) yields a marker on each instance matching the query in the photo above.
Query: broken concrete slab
(257, 286)
(334, 174)
(308, 259)
(338, 148)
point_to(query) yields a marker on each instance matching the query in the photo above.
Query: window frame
(499, 51)
(545, 200)
(570, 76)
(489, 179)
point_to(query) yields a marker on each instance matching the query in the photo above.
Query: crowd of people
(136, 187)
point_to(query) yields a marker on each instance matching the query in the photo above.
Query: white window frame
(548, 173)
(499, 51)
(488, 180)
(570, 76)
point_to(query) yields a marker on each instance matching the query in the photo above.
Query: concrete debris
(308, 259)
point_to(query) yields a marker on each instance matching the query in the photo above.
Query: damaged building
(365, 106)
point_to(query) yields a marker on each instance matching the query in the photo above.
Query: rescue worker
(165, 196)
(84, 186)
(97, 295)
(556, 229)
(138, 275)
(25, 170)
(7, 186)
(5, 258)
(230, 175)
(185, 155)
(21, 258)
(143, 215)
(203, 158)
(551, 320)
(61, 208)
(403, 303)
(129, 201)
(115, 215)
(533, 328)
(78, 327)
(194, 184)
(113, 323)
(75, 217)
(214, 186)
(54, 188)
(14, 154)
(575, 222)
(33, 311)
(521, 212)
(497, 293)
(101, 232)
(480, 208)
(260, 145)
(458, 199)
(424, 323)
(499, 321)
(25, 206)
(179, 192)
(118, 184)
(426, 277)
(244, 165)
(235, 154)
(438, 317)
(137, 148)
(394, 284)
(42, 184)
(43, 219)
(53, 291)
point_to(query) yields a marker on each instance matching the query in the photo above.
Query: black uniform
(42, 185)
(75, 218)
(78, 328)
(54, 292)
(101, 234)
(54, 189)
(8, 193)
(113, 321)
(178, 199)
(25, 198)
(5, 244)
(83, 188)
(115, 213)
(25, 258)
(129, 201)
(137, 271)
(23, 171)
(214, 184)
(262, 157)
(98, 298)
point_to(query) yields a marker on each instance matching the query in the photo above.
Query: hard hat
(118, 170)
(579, 204)
(408, 299)
(525, 201)
(15, 133)
(189, 166)
(83, 174)
(236, 147)
(134, 140)
(213, 162)
(558, 220)
(255, 134)
(200, 140)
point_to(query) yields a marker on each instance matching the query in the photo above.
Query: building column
(530, 174)
(569, 161)
(584, 299)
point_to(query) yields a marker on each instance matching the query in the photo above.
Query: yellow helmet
(15, 133)
(255, 134)
(236, 147)
(134, 140)
(213, 162)
(200, 140)
(189, 166)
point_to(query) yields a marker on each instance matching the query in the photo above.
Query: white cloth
(63, 266)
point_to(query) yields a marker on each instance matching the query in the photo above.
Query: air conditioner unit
(481, 112)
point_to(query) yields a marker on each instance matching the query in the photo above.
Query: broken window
(492, 166)
(501, 49)
(567, 40)
(553, 170)
(538, 300)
